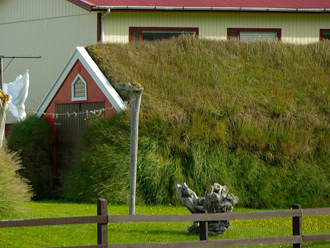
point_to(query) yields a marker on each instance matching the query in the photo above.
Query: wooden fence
(102, 219)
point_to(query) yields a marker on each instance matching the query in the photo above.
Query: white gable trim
(94, 71)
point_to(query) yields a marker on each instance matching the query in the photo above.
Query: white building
(49, 28)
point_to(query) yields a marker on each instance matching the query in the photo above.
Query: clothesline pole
(12, 57)
(3, 112)
(4, 103)
(20, 57)
(3, 107)
(135, 93)
(1, 72)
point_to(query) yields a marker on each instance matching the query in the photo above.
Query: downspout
(102, 17)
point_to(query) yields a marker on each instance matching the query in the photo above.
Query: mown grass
(70, 235)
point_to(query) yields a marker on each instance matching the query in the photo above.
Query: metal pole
(12, 57)
(1, 72)
(3, 111)
(20, 57)
(3, 107)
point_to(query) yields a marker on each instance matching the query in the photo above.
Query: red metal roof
(261, 5)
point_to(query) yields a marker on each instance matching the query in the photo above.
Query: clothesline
(74, 114)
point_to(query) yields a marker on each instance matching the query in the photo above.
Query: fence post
(102, 228)
(204, 229)
(296, 226)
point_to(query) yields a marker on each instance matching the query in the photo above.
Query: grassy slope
(253, 116)
(140, 232)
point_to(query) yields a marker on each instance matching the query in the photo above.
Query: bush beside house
(32, 140)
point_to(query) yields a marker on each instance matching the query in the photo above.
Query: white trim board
(94, 71)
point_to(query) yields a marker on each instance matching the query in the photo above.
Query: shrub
(32, 139)
(14, 190)
(102, 170)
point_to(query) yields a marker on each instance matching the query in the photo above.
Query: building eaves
(317, 6)
(83, 4)
(235, 9)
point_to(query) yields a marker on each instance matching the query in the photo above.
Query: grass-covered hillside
(252, 116)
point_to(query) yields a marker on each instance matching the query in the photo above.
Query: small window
(157, 33)
(253, 34)
(325, 34)
(78, 89)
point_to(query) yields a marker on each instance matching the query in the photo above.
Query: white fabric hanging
(18, 90)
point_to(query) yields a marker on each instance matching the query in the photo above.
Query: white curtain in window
(258, 35)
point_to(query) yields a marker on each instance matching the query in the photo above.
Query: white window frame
(73, 98)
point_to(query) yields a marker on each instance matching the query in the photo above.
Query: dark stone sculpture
(216, 200)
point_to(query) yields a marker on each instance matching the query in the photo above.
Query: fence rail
(102, 219)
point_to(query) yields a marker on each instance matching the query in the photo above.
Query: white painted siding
(297, 28)
(50, 28)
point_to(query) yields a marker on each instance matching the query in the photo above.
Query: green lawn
(71, 235)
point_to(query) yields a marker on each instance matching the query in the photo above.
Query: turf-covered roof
(252, 116)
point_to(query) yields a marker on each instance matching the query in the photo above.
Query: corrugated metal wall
(296, 28)
(27, 10)
(50, 28)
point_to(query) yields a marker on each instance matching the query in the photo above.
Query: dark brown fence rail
(102, 219)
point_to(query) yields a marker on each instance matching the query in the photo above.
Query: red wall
(63, 95)
(94, 94)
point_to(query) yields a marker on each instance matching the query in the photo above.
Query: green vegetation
(32, 139)
(14, 190)
(252, 116)
(73, 235)
(97, 173)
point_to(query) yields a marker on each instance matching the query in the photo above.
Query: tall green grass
(14, 190)
(253, 116)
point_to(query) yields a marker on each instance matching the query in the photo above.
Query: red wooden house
(80, 92)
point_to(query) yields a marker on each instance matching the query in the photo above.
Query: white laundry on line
(18, 90)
